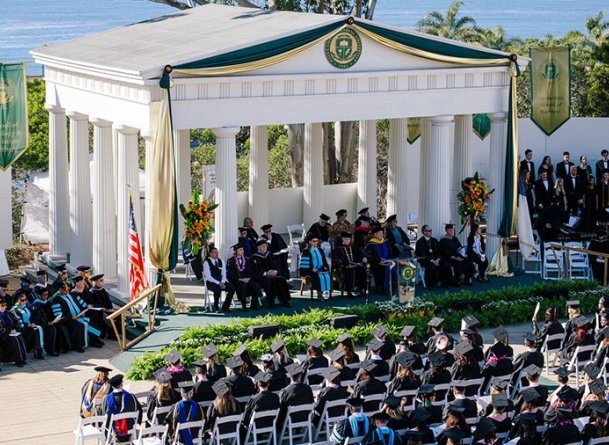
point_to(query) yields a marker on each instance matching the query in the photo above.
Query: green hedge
(506, 306)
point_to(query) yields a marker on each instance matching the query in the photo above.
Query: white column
(183, 181)
(424, 160)
(81, 224)
(313, 174)
(127, 176)
(496, 177)
(104, 208)
(150, 270)
(259, 175)
(366, 167)
(462, 167)
(226, 189)
(438, 173)
(59, 204)
(397, 187)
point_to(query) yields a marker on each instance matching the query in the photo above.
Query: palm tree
(451, 26)
(598, 28)
(496, 39)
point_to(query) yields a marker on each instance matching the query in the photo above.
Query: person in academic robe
(31, 333)
(252, 235)
(251, 369)
(378, 254)
(465, 366)
(80, 294)
(277, 247)
(590, 207)
(461, 404)
(100, 298)
(386, 345)
(69, 314)
(357, 424)
(281, 356)
(248, 245)
(341, 225)
(361, 232)
(296, 393)
(185, 410)
(216, 280)
(574, 189)
(313, 264)
(223, 405)
(239, 274)
(454, 254)
(580, 337)
(563, 168)
(381, 434)
(121, 401)
(544, 191)
(398, 240)
(176, 369)
(331, 392)
(267, 274)
(215, 369)
(602, 192)
(279, 379)
(368, 384)
(560, 427)
(427, 250)
(436, 326)
(315, 359)
(85, 272)
(264, 400)
(321, 229)
(239, 383)
(602, 165)
(551, 326)
(419, 421)
(527, 164)
(405, 379)
(62, 277)
(498, 357)
(476, 252)
(350, 262)
(25, 288)
(94, 319)
(94, 391)
(12, 346)
(597, 423)
(202, 390)
(531, 356)
(163, 395)
(42, 315)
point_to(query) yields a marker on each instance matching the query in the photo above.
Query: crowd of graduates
(448, 390)
(52, 318)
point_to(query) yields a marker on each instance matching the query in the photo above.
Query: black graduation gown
(12, 348)
(31, 336)
(215, 372)
(240, 385)
(277, 244)
(561, 434)
(306, 267)
(329, 394)
(250, 289)
(362, 422)
(296, 393)
(368, 387)
(525, 359)
(471, 408)
(431, 342)
(203, 392)
(97, 319)
(276, 286)
(263, 401)
(153, 401)
(450, 251)
(76, 330)
(426, 251)
(319, 231)
(348, 261)
(279, 380)
(467, 372)
(498, 361)
(179, 375)
(377, 437)
(313, 363)
(131, 405)
(42, 316)
(571, 345)
(376, 253)
(393, 363)
(212, 415)
(100, 298)
(179, 409)
(547, 329)
(398, 251)
(89, 394)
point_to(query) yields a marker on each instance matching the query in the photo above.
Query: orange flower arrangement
(472, 198)
(198, 222)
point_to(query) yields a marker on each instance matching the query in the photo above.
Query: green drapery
(13, 113)
(481, 124)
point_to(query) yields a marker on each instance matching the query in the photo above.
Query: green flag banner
(414, 129)
(550, 88)
(13, 113)
(481, 125)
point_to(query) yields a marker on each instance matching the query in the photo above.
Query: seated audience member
(398, 240)
(239, 274)
(240, 384)
(499, 416)
(531, 356)
(281, 356)
(163, 395)
(436, 325)
(93, 392)
(453, 253)
(461, 404)
(175, 368)
(455, 427)
(313, 264)
(216, 279)
(223, 405)
(266, 273)
(215, 369)
(427, 249)
(561, 429)
(498, 358)
(355, 425)
(31, 333)
(331, 392)
(349, 260)
(465, 366)
(251, 369)
(597, 424)
(202, 390)
(120, 401)
(296, 393)
(419, 431)
(264, 400)
(381, 433)
(185, 410)
(485, 432)
(279, 378)
(340, 226)
(315, 359)
(580, 337)
(378, 255)
(277, 248)
(551, 326)
(368, 384)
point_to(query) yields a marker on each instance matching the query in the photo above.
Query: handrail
(144, 295)
(568, 249)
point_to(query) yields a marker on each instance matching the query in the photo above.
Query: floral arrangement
(472, 197)
(198, 222)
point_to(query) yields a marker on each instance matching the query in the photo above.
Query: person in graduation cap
(361, 232)
(185, 410)
(381, 434)
(62, 277)
(42, 278)
(465, 366)
(455, 427)
(12, 346)
(346, 344)
(162, 395)
(120, 401)
(240, 384)
(94, 391)
(340, 226)
(31, 333)
(531, 356)
(277, 248)
(426, 396)
(216, 279)
(349, 261)
(373, 354)
(453, 253)
(419, 431)
(461, 403)
(439, 361)
(398, 241)
(602, 338)
(485, 433)
(248, 224)
(427, 250)
(476, 252)
(321, 231)
(80, 294)
(215, 369)
(393, 406)
(367, 383)
(561, 428)
(177, 370)
(42, 315)
(413, 343)
(499, 416)
(279, 378)
(281, 357)
(100, 298)
(264, 400)
(562, 378)
(573, 312)
(405, 379)
(591, 372)
(525, 428)
(247, 244)
(315, 359)
(79, 311)
(333, 390)
(580, 337)
(223, 405)
(388, 346)
(551, 326)
(597, 424)
(70, 315)
(595, 392)
(25, 288)
(251, 369)
(378, 254)
(601, 321)
(266, 270)
(85, 272)
(436, 325)
(296, 393)
(239, 274)
(5, 295)
(531, 410)
(531, 380)
(313, 264)
(498, 358)
(202, 390)
(355, 425)
(337, 357)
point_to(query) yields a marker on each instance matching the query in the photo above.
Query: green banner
(13, 113)
(550, 88)
(481, 125)
(414, 129)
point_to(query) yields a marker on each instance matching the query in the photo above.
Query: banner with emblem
(413, 125)
(550, 88)
(13, 113)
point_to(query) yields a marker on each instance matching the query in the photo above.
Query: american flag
(137, 278)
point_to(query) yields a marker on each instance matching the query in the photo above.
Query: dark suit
(543, 196)
(563, 169)
(235, 272)
(574, 188)
(427, 250)
(601, 168)
(525, 166)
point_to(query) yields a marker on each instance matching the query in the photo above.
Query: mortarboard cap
(532, 370)
(485, 426)
(463, 347)
(500, 400)
(293, 369)
(185, 384)
(604, 333)
(83, 268)
(379, 330)
(266, 227)
(562, 372)
(25, 280)
(261, 241)
(573, 303)
(102, 369)
(341, 212)
(601, 407)
(173, 357)
(77, 279)
(374, 344)
(263, 377)
(407, 331)
(234, 361)
(3, 283)
(162, 376)
(342, 337)
(209, 351)
(331, 373)
(529, 394)
(62, 268)
(591, 370)
(355, 401)
(97, 277)
(40, 273)
(336, 354)
(499, 384)
(528, 417)
(392, 401)
(500, 333)
(116, 381)
(581, 322)
(240, 351)
(529, 337)
(345, 235)
(455, 434)
(266, 358)
(185, 389)
(242, 229)
(368, 366)
(567, 394)
(381, 417)
(435, 322)
(376, 229)
(406, 359)
(456, 409)
(277, 345)
(391, 218)
(236, 246)
(421, 415)
(315, 343)
(362, 211)
(597, 387)
(324, 217)
(437, 359)
(200, 364)
(426, 389)
(469, 321)
(220, 388)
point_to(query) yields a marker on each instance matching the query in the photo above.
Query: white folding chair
(551, 339)
(223, 423)
(152, 435)
(255, 431)
(472, 421)
(383, 378)
(412, 396)
(470, 386)
(111, 435)
(535, 259)
(297, 234)
(372, 400)
(91, 428)
(243, 399)
(553, 264)
(198, 440)
(581, 357)
(599, 441)
(325, 420)
(297, 430)
(159, 411)
(579, 266)
(443, 389)
(353, 440)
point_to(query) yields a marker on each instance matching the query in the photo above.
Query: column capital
(226, 132)
(147, 134)
(98, 122)
(124, 129)
(75, 115)
(442, 120)
(498, 117)
(54, 108)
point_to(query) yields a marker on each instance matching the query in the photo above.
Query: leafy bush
(499, 307)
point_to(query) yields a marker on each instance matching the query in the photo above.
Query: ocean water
(29, 24)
